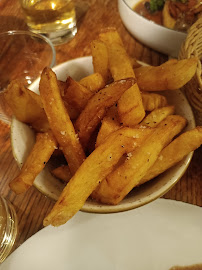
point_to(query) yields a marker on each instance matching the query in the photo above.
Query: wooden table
(94, 15)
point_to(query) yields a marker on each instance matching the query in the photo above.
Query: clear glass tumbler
(8, 228)
(55, 19)
(23, 56)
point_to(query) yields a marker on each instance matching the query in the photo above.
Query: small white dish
(23, 137)
(155, 36)
(156, 236)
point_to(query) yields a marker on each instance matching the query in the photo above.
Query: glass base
(59, 37)
(8, 228)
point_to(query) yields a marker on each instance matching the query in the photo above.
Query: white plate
(22, 138)
(156, 236)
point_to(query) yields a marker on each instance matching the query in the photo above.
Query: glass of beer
(55, 19)
(8, 228)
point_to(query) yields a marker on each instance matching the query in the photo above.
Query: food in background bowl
(174, 14)
(155, 36)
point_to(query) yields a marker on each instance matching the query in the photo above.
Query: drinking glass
(55, 19)
(8, 228)
(23, 56)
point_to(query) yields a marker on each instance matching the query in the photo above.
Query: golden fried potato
(100, 59)
(59, 120)
(93, 170)
(157, 115)
(62, 172)
(93, 82)
(130, 107)
(38, 157)
(75, 94)
(96, 107)
(175, 152)
(152, 101)
(72, 111)
(119, 62)
(128, 175)
(110, 123)
(168, 76)
(26, 106)
(131, 110)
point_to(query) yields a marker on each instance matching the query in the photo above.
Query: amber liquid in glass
(46, 16)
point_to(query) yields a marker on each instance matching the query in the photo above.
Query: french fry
(96, 107)
(152, 101)
(175, 152)
(157, 115)
(26, 106)
(110, 123)
(72, 111)
(93, 82)
(75, 94)
(171, 75)
(38, 157)
(119, 61)
(135, 63)
(100, 59)
(62, 172)
(128, 175)
(131, 110)
(92, 171)
(130, 107)
(59, 120)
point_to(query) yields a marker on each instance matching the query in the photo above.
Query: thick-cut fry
(100, 59)
(26, 106)
(175, 152)
(93, 170)
(93, 82)
(38, 157)
(119, 62)
(75, 94)
(72, 111)
(128, 175)
(168, 76)
(96, 107)
(110, 123)
(130, 107)
(120, 67)
(59, 120)
(152, 101)
(157, 115)
(62, 172)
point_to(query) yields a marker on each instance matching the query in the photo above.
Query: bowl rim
(29, 33)
(150, 21)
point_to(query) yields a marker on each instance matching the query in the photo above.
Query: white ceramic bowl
(155, 36)
(23, 138)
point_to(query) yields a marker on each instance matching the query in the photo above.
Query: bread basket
(192, 47)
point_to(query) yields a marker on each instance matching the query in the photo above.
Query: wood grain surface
(93, 15)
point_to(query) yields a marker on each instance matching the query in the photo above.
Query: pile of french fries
(113, 128)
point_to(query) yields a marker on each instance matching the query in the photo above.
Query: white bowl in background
(155, 36)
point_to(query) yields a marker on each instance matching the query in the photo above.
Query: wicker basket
(192, 47)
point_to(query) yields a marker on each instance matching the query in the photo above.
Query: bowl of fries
(155, 36)
(98, 133)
